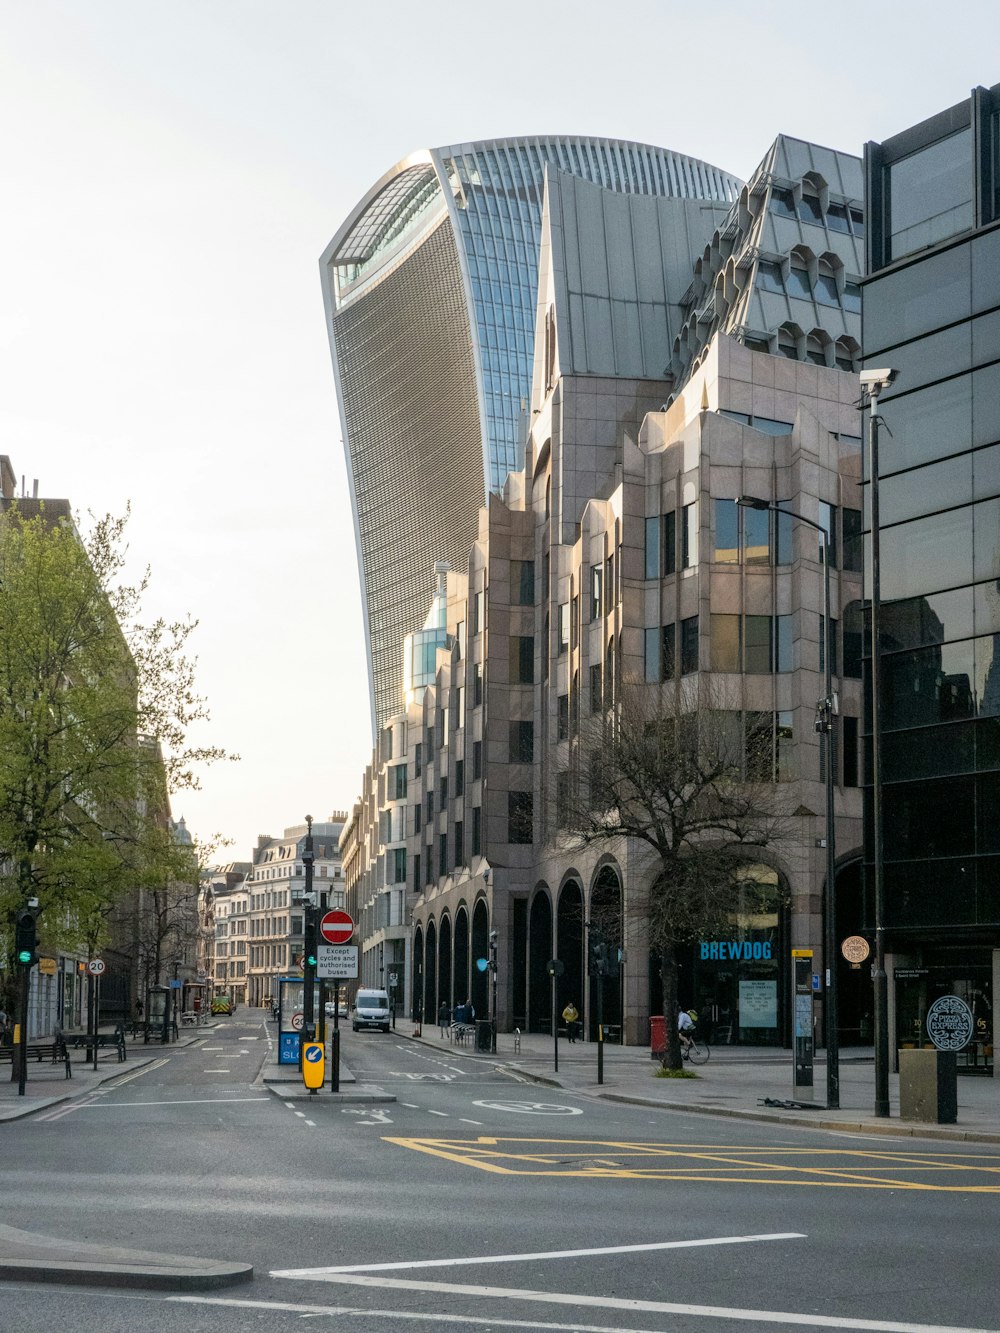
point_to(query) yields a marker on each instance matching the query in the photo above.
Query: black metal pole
(881, 996)
(555, 1028)
(830, 897)
(493, 970)
(600, 1025)
(22, 1055)
(309, 943)
(97, 1017)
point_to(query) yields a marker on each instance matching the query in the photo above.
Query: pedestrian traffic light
(311, 960)
(25, 938)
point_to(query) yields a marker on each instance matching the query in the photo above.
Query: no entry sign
(336, 927)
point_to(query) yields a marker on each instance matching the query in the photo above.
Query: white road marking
(194, 1101)
(530, 1108)
(217, 1071)
(311, 1124)
(319, 1274)
(431, 1112)
(591, 1302)
(412, 1105)
(466, 1121)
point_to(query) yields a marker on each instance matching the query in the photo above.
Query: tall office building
(932, 313)
(430, 288)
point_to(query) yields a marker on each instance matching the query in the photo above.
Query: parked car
(371, 1010)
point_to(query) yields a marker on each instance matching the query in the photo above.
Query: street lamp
(873, 382)
(825, 710)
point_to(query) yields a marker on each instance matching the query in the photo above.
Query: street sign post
(337, 962)
(336, 927)
(96, 967)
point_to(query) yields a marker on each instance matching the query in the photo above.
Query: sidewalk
(734, 1083)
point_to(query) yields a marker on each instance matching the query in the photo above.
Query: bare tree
(690, 784)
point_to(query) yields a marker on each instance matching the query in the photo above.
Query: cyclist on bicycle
(686, 1020)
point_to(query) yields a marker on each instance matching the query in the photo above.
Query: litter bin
(928, 1086)
(484, 1035)
(657, 1036)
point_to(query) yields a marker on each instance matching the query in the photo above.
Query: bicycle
(697, 1053)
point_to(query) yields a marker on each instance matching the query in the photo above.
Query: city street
(478, 1201)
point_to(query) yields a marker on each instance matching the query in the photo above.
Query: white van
(371, 1010)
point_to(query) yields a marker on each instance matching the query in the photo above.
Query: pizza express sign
(949, 1023)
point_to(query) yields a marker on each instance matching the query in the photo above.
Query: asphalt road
(478, 1202)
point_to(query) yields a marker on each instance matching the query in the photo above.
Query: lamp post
(825, 710)
(874, 381)
(310, 933)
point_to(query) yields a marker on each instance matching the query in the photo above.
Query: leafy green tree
(94, 713)
(675, 777)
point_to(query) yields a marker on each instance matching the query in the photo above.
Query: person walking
(444, 1016)
(571, 1017)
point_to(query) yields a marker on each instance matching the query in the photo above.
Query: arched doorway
(444, 963)
(569, 946)
(417, 1007)
(460, 986)
(430, 975)
(539, 953)
(606, 921)
(480, 985)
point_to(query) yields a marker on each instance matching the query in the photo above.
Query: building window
(769, 277)
(442, 855)
(477, 831)
(520, 816)
(477, 760)
(459, 843)
(418, 759)
(852, 558)
(689, 645)
(689, 536)
(418, 811)
(833, 646)
(930, 194)
(784, 646)
(727, 537)
(459, 777)
(564, 628)
(797, 282)
(398, 865)
(724, 632)
(610, 586)
(397, 782)
(443, 788)
(522, 582)
(785, 736)
(757, 645)
(596, 591)
(653, 563)
(652, 654)
(852, 298)
(478, 612)
(849, 731)
(670, 543)
(522, 659)
(429, 800)
(668, 664)
(522, 742)
(477, 685)
(837, 218)
(828, 522)
(416, 873)
(809, 208)
(782, 202)
(562, 717)
(562, 798)
(596, 688)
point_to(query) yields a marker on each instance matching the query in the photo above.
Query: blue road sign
(314, 1053)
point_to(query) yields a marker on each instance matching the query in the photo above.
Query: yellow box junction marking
(602, 1159)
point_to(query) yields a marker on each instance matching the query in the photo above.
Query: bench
(105, 1041)
(39, 1051)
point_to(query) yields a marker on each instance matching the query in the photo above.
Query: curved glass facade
(432, 371)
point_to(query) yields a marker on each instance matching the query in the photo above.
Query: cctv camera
(877, 379)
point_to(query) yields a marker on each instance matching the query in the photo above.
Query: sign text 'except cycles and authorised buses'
(337, 962)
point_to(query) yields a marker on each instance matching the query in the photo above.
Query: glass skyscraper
(430, 288)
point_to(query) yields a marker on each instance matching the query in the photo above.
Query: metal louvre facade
(430, 289)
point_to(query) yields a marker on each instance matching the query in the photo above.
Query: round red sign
(336, 927)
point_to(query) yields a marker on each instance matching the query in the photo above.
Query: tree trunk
(668, 976)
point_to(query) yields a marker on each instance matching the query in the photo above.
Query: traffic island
(27, 1257)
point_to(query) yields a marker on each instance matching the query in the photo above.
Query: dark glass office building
(932, 312)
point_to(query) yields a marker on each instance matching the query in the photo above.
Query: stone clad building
(616, 558)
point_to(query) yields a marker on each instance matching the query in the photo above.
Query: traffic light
(597, 954)
(311, 960)
(25, 938)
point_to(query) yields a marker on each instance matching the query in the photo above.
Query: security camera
(877, 379)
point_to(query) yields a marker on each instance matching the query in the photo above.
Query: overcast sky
(171, 171)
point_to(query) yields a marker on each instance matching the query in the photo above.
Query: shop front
(738, 977)
(956, 978)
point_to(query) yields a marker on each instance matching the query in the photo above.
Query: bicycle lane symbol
(530, 1108)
